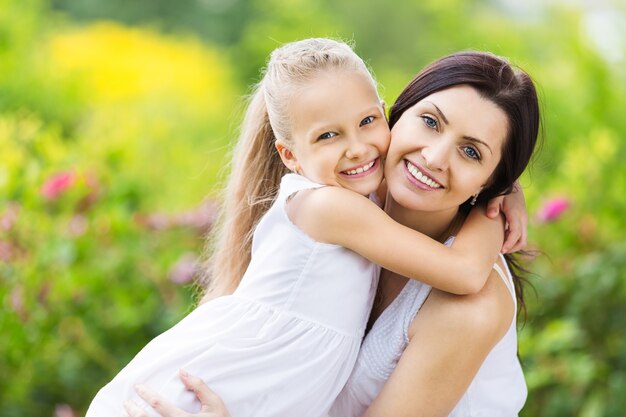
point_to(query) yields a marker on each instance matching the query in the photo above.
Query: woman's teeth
(360, 170)
(417, 174)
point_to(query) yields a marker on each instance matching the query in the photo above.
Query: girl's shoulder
(322, 211)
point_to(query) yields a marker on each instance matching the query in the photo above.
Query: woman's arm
(339, 216)
(449, 339)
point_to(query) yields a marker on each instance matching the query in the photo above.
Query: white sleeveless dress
(497, 390)
(284, 344)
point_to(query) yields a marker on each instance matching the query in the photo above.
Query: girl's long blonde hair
(256, 168)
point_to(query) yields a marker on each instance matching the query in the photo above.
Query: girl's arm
(339, 216)
(449, 339)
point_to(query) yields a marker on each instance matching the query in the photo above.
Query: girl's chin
(365, 190)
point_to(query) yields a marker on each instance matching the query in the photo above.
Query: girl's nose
(356, 148)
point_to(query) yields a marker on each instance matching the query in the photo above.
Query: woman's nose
(437, 156)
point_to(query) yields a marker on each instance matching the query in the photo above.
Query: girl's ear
(384, 106)
(288, 157)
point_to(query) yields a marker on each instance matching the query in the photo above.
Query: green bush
(113, 136)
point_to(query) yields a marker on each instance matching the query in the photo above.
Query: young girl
(285, 342)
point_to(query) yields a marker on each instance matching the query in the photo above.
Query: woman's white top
(497, 390)
(284, 344)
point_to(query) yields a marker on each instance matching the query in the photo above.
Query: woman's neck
(438, 225)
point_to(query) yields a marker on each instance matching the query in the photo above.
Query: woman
(469, 122)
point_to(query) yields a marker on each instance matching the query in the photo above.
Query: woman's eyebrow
(473, 139)
(443, 117)
(445, 120)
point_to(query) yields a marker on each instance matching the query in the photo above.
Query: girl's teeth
(417, 174)
(360, 170)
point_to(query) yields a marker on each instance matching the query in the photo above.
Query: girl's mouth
(362, 170)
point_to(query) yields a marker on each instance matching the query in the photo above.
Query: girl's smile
(362, 170)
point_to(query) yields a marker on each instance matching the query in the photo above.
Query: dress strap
(506, 278)
(290, 184)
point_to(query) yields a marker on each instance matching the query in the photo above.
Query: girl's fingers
(513, 234)
(158, 403)
(493, 207)
(522, 240)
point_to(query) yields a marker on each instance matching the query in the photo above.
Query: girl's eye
(367, 121)
(327, 135)
(471, 152)
(430, 122)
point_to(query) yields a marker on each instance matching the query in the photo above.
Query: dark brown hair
(509, 88)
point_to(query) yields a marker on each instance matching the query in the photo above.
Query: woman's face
(444, 149)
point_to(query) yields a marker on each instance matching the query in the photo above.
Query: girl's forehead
(341, 78)
(337, 89)
(333, 99)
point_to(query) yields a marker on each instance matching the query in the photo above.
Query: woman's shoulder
(487, 314)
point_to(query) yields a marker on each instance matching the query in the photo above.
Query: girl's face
(339, 132)
(444, 149)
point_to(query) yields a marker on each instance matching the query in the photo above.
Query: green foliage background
(138, 102)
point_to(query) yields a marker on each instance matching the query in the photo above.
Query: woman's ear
(287, 156)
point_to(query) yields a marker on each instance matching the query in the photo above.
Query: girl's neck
(438, 225)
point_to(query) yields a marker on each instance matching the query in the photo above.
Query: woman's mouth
(362, 170)
(420, 176)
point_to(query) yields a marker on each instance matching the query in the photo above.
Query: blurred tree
(111, 135)
(219, 21)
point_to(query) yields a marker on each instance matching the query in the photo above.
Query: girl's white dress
(284, 344)
(497, 390)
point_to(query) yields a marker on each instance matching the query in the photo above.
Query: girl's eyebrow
(445, 120)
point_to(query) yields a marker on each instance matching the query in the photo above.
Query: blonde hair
(256, 165)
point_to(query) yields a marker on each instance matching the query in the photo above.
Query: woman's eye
(367, 120)
(327, 135)
(471, 152)
(430, 122)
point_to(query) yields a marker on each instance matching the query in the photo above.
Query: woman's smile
(447, 145)
(420, 178)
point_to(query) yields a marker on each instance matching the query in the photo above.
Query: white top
(497, 390)
(284, 344)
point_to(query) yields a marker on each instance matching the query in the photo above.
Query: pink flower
(553, 209)
(7, 251)
(78, 225)
(9, 217)
(17, 303)
(185, 269)
(58, 184)
(63, 410)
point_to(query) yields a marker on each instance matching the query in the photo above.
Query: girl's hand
(212, 404)
(513, 206)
